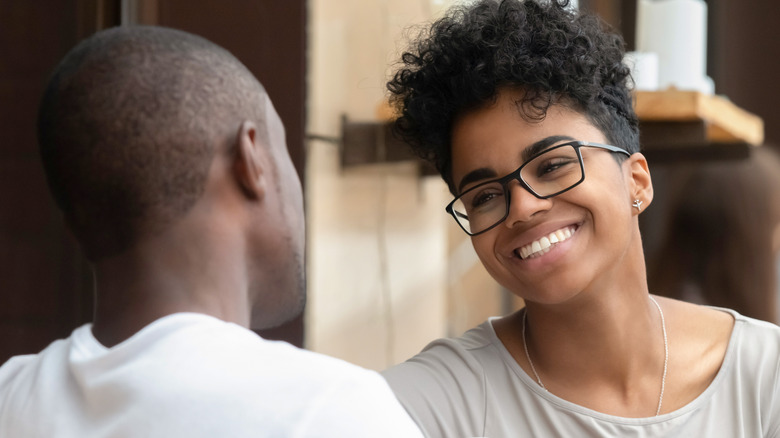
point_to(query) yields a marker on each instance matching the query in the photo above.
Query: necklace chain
(666, 355)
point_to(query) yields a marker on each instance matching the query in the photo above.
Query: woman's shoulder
(447, 366)
(707, 341)
(754, 339)
(458, 355)
(716, 328)
(443, 387)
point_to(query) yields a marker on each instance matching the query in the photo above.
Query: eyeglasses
(546, 174)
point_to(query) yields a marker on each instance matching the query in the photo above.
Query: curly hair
(554, 54)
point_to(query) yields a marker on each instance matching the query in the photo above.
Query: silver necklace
(666, 355)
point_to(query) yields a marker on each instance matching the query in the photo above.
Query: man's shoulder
(217, 344)
(21, 366)
(305, 390)
(22, 376)
(13, 368)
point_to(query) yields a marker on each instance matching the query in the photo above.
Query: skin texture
(207, 133)
(282, 235)
(236, 255)
(594, 335)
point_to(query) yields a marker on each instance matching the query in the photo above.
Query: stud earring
(637, 204)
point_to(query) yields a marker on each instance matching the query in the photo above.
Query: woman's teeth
(543, 245)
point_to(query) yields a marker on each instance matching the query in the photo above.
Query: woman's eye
(550, 167)
(485, 197)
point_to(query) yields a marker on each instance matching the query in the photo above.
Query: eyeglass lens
(550, 173)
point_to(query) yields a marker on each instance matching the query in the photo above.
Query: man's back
(169, 163)
(192, 375)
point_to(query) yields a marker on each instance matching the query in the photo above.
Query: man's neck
(160, 278)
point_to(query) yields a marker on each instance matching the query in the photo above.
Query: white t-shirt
(472, 387)
(191, 375)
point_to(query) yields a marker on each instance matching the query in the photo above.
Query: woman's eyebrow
(543, 144)
(476, 175)
(530, 151)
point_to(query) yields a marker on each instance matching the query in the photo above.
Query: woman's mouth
(543, 245)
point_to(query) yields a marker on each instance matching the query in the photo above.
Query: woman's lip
(539, 233)
(544, 244)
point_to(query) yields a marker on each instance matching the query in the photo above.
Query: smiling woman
(545, 174)
(523, 107)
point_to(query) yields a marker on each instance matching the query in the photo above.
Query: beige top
(472, 387)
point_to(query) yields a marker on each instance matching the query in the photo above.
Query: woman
(523, 108)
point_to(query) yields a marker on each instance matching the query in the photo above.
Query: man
(169, 164)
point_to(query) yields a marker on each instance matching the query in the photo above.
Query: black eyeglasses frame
(516, 175)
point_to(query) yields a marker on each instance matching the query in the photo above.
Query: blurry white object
(677, 31)
(644, 70)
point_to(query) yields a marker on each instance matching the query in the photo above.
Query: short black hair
(128, 127)
(553, 53)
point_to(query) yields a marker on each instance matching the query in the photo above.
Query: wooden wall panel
(42, 274)
(744, 58)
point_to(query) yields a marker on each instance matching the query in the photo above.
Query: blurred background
(388, 270)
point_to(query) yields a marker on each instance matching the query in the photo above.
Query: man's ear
(641, 185)
(250, 162)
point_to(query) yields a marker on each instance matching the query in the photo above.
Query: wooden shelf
(675, 126)
(723, 121)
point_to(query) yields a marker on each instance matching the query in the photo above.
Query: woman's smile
(544, 234)
(547, 246)
(540, 247)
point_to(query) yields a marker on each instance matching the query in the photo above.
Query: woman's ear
(250, 163)
(641, 185)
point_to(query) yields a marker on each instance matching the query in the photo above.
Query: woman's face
(594, 222)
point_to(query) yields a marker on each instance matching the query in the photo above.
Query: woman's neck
(604, 350)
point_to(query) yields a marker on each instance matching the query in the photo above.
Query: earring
(637, 204)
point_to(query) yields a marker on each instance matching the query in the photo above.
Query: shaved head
(129, 125)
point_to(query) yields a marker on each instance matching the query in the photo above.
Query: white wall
(389, 271)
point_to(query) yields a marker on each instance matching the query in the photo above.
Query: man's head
(540, 47)
(129, 127)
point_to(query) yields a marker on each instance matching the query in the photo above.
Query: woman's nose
(523, 205)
